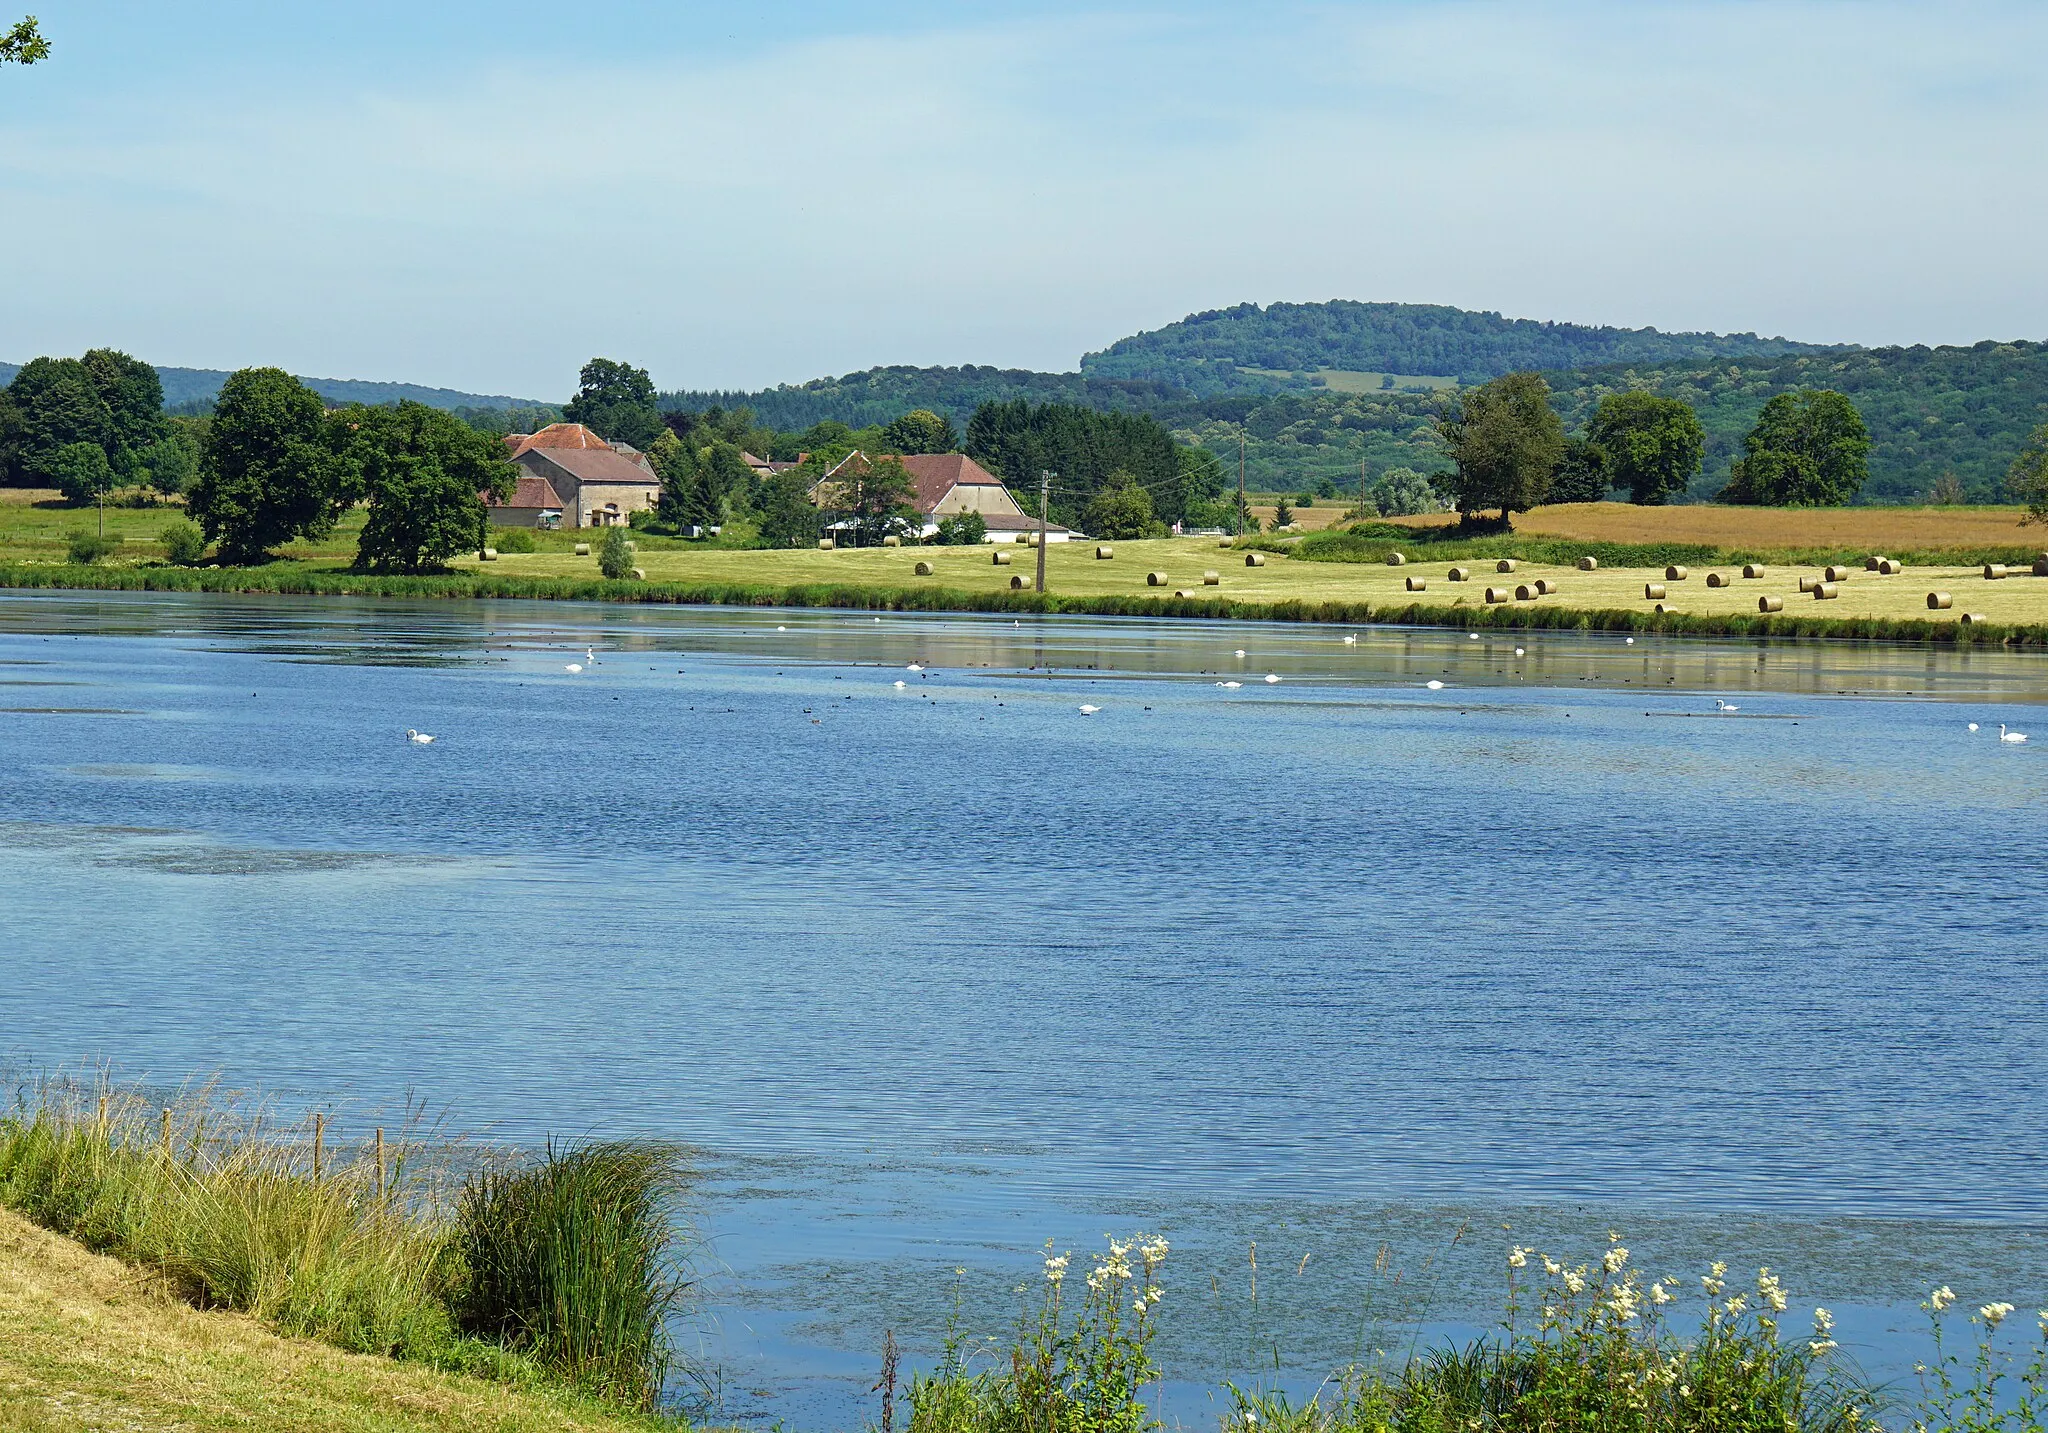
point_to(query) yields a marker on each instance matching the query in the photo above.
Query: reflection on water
(934, 973)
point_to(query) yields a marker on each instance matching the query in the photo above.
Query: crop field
(1889, 530)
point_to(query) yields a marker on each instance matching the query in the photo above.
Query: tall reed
(574, 1261)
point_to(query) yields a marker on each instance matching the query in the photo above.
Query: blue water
(929, 975)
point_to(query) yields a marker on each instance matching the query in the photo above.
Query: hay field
(1072, 568)
(1874, 529)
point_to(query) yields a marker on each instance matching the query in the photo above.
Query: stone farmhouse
(948, 485)
(570, 477)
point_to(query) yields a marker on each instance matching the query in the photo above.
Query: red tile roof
(590, 465)
(532, 492)
(936, 474)
(555, 435)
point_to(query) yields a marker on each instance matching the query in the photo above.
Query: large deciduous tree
(2027, 479)
(55, 404)
(921, 431)
(270, 471)
(424, 472)
(1120, 511)
(1809, 448)
(788, 516)
(1507, 443)
(134, 396)
(616, 401)
(1650, 445)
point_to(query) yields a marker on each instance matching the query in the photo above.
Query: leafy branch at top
(24, 44)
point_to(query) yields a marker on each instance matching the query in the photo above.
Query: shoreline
(296, 581)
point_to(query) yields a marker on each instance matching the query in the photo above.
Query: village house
(950, 485)
(570, 477)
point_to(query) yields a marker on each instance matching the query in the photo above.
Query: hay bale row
(1255, 559)
(1752, 569)
(1418, 584)
(1715, 579)
(1826, 591)
(1770, 604)
(1939, 601)
(923, 569)
(1676, 574)
(1459, 574)
(1653, 591)
(1104, 553)
(1155, 579)
(1499, 594)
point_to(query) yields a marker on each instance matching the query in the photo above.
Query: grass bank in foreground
(227, 1209)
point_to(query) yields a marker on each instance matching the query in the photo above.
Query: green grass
(1371, 542)
(233, 1210)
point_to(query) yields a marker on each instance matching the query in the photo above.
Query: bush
(89, 547)
(961, 530)
(514, 539)
(572, 1262)
(183, 543)
(615, 554)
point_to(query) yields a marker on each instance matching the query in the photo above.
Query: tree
(921, 431)
(134, 396)
(55, 403)
(183, 543)
(872, 496)
(170, 463)
(615, 401)
(1403, 492)
(2027, 479)
(615, 554)
(1283, 515)
(1650, 445)
(424, 472)
(788, 517)
(82, 473)
(1581, 475)
(965, 529)
(1122, 509)
(1018, 441)
(1947, 491)
(1809, 448)
(23, 44)
(1507, 443)
(270, 471)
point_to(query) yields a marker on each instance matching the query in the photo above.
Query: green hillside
(1210, 352)
(185, 387)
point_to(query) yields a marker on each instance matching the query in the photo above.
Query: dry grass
(1887, 530)
(88, 1343)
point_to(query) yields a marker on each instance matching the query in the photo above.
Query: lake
(928, 974)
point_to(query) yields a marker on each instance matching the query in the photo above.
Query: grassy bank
(2017, 625)
(228, 1209)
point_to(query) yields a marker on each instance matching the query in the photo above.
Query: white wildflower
(1823, 1321)
(1574, 1281)
(1622, 1302)
(1659, 1296)
(1735, 1306)
(1518, 1258)
(1552, 1267)
(1941, 1298)
(1613, 1259)
(1770, 1291)
(1994, 1314)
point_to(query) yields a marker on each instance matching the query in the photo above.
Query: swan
(1271, 678)
(1087, 710)
(1238, 653)
(417, 736)
(2004, 735)
(899, 686)
(1720, 705)
(1230, 686)
(589, 654)
(1520, 653)
(1434, 685)
(573, 667)
(1473, 635)
(782, 629)
(1351, 641)
(1629, 641)
(1973, 726)
(913, 667)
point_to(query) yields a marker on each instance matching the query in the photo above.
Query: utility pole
(1240, 485)
(1044, 498)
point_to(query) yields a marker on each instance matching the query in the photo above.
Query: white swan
(1720, 705)
(1238, 653)
(417, 736)
(2004, 735)
(1230, 686)
(1434, 685)
(913, 667)
(1629, 641)
(1520, 653)
(1474, 636)
(1351, 641)
(1271, 678)
(1087, 710)
(589, 654)
(1973, 726)
(899, 686)
(573, 667)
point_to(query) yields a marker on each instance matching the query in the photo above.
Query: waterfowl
(423, 739)
(2004, 735)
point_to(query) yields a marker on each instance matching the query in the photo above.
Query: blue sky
(483, 195)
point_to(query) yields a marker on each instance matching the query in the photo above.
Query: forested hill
(1210, 352)
(184, 386)
(882, 394)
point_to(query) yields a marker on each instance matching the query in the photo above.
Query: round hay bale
(1460, 574)
(1890, 567)
(1418, 584)
(1660, 607)
(489, 554)
(1499, 594)
(1939, 601)
(1546, 587)
(1104, 554)
(826, 544)
(1871, 563)
(1394, 559)
(1807, 584)
(1826, 591)
(1974, 619)
(1653, 591)
(1589, 564)
(639, 575)
(1770, 604)
(1525, 593)
(1506, 564)
(1255, 559)
(2041, 567)
(1836, 574)
(1676, 574)
(1001, 558)
(1994, 572)
(1715, 579)
(1212, 579)
(1182, 592)
(583, 549)
(892, 540)
(923, 569)
(1155, 579)
(1752, 569)
(1226, 542)
(1019, 582)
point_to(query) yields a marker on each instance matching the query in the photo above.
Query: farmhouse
(570, 477)
(950, 485)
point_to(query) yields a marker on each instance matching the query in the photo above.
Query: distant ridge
(1210, 352)
(202, 385)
